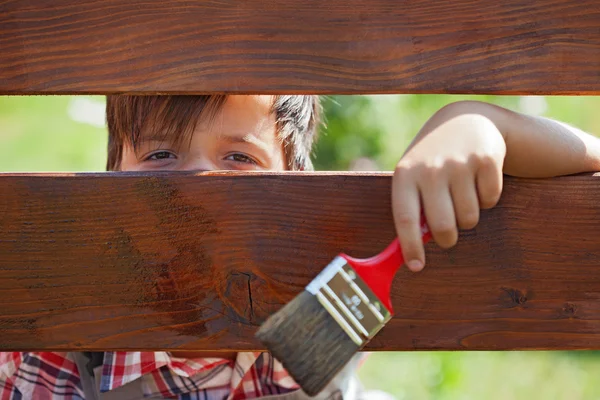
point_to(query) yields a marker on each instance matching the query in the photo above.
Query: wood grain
(165, 261)
(289, 46)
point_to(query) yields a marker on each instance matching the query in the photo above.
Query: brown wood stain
(187, 262)
(255, 46)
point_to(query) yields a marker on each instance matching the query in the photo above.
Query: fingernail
(414, 265)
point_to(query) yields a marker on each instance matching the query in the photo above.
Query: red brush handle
(378, 271)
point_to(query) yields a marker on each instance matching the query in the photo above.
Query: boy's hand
(451, 170)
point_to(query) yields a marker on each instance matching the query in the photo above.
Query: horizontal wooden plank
(165, 261)
(288, 46)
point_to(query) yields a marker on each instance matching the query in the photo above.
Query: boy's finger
(439, 213)
(406, 209)
(489, 184)
(465, 200)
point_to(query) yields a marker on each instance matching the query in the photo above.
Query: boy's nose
(199, 164)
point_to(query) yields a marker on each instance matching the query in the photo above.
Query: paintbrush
(337, 314)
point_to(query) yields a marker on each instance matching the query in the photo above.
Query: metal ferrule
(350, 301)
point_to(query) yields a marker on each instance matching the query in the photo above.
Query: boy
(452, 169)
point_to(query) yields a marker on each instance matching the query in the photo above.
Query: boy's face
(241, 136)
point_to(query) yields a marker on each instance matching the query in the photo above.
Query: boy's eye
(241, 158)
(160, 155)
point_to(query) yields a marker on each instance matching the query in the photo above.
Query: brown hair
(175, 117)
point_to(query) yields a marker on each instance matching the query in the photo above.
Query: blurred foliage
(66, 133)
(513, 375)
(44, 133)
(381, 127)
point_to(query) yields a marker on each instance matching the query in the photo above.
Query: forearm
(535, 146)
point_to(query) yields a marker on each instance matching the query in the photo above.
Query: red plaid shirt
(49, 375)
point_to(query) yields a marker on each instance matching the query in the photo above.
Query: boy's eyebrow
(247, 139)
(153, 137)
(232, 139)
(163, 139)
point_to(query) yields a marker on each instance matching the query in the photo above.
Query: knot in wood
(569, 308)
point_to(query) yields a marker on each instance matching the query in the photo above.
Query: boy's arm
(455, 164)
(536, 147)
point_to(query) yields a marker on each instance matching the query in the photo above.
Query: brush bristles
(308, 342)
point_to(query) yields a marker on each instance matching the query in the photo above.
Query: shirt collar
(164, 374)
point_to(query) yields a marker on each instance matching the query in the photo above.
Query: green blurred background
(68, 133)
